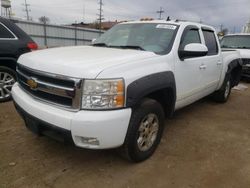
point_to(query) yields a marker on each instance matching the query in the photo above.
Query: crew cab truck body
(13, 43)
(116, 93)
(241, 43)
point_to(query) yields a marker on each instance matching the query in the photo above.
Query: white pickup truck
(241, 43)
(117, 92)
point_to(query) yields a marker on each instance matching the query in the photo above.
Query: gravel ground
(204, 145)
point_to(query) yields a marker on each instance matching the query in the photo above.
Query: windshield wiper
(123, 47)
(101, 44)
(223, 46)
(130, 47)
(243, 47)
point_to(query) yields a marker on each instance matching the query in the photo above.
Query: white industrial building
(246, 28)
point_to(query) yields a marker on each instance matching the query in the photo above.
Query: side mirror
(93, 41)
(193, 50)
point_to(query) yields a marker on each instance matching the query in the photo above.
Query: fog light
(90, 141)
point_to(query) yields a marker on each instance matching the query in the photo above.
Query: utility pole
(26, 9)
(221, 27)
(83, 13)
(100, 15)
(160, 12)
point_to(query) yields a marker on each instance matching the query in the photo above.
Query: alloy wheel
(6, 83)
(148, 131)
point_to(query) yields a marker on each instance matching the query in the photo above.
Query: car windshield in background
(157, 38)
(239, 41)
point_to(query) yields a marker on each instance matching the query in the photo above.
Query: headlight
(103, 94)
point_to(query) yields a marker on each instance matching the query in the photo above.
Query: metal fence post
(45, 33)
(75, 34)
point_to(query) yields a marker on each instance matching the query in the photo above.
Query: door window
(191, 36)
(5, 33)
(211, 42)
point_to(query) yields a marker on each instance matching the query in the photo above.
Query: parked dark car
(13, 43)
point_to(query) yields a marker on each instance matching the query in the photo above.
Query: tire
(144, 131)
(222, 95)
(7, 80)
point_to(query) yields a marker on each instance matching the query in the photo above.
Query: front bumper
(88, 129)
(246, 71)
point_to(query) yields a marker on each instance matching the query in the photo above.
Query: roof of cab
(174, 22)
(238, 34)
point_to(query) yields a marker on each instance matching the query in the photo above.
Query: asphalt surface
(205, 145)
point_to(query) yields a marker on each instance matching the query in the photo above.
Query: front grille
(246, 66)
(246, 61)
(59, 90)
(246, 70)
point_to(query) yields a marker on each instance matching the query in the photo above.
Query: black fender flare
(235, 63)
(235, 70)
(149, 84)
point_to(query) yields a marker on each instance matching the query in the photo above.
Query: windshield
(239, 41)
(157, 38)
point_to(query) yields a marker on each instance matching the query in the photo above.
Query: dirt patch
(204, 145)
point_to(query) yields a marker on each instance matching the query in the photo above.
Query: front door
(188, 72)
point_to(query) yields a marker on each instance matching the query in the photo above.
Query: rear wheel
(7, 80)
(223, 94)
(144, 132)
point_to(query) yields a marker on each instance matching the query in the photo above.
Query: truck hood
(244, 53)
(81, 61)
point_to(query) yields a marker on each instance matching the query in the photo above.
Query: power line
(160, 12)
(26, 9)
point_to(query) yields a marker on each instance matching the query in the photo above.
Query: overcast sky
(230, 13)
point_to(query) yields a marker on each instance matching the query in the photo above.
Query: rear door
(213, 61)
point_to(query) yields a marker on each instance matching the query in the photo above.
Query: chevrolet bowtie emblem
(32, 84)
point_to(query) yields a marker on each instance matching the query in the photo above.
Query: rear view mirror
(193, 50)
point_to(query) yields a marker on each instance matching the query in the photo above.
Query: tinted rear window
(211, 42)
(5, 33)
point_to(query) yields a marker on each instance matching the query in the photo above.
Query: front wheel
(144, 132)
(7, 80)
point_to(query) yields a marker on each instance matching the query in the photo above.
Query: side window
(5, 33)
(191, 36)
(211, 42)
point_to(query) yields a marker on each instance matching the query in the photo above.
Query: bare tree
(225, 31)
(44, 20)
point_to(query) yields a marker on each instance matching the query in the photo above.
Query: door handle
(219, 63)
(202, 67)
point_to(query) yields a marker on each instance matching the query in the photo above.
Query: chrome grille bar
(54, 89)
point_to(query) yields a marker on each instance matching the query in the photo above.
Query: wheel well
(166, 97)
(8, 63)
